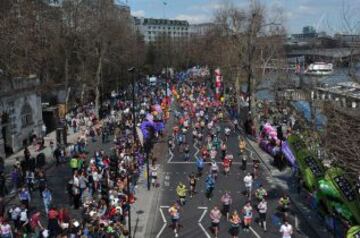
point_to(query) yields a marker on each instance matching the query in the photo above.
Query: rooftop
(154, 21)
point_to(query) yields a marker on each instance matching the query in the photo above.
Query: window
(26, 115)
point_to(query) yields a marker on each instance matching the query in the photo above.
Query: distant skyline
(324, 15)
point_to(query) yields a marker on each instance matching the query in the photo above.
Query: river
(265, 92)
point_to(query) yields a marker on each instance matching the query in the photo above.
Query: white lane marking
(205, 209)
(255, 233)
(164, 220)
(171, 156)
(197, 151)
(204, 230)
(161, 230)
(162, 213)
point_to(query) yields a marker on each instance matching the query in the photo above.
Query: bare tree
(255, 39)
(340, 138)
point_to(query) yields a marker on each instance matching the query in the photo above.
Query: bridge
(322, 95)
(335, 54)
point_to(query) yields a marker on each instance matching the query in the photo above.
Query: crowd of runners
(202, 122)
(103, 183)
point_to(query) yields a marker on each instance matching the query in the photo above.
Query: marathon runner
(226, 201)
(181, 191)
(175, 216)
(215, 216)
(235, 221)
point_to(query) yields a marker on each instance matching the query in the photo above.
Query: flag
(165, 3)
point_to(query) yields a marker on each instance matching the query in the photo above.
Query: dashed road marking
(164, 220)
(200, 219)
(171, 156)
(255, 233)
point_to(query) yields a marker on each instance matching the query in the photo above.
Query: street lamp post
(147, 152)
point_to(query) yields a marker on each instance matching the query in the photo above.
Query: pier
(346, 95)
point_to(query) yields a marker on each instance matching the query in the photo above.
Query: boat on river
(320, 69)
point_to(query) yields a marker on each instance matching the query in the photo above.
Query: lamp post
(147, 148)
(131, 70)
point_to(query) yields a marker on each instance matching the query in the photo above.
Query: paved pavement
(146, 204)
(57, 176)
(194, 215)
(50, 161)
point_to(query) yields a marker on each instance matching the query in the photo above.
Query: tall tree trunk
(66, 77)
(98, 82)
(238, 89)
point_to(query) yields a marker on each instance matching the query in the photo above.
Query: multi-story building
(199, 30)
(348, 39)
(155, 29)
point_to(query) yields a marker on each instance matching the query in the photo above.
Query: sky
(324, 15)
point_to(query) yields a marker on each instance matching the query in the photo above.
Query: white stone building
(20, 112)
(200, 30)
(153, 29)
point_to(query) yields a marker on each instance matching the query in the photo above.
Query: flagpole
(164, 5)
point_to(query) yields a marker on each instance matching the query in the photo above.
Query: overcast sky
(324, 15)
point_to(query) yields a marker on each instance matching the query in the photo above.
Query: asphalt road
(194, 216)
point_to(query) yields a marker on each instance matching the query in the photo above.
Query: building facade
(153, 29)
(199, 30)
(349, 40)
(20, 112)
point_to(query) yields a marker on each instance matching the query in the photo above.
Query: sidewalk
(145, 206)
(147, 201)
(284, 180)
(10, 161)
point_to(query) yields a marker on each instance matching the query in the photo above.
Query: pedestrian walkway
(146, 204)
(50, 161)
(286, 182)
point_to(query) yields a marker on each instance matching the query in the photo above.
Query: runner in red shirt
(226, 166)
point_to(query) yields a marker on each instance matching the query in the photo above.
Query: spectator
(47, 199)
(53, 222)
(6, 231)
(25, 197)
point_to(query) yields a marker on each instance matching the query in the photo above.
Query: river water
(265, 91)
